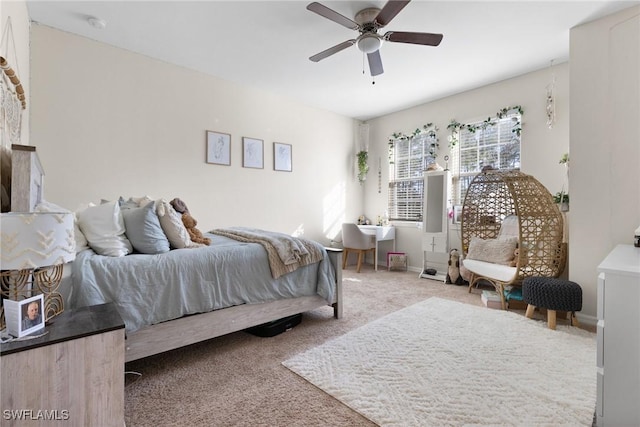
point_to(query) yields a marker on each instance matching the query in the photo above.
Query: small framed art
(457, 214)
(252, 153)
(281, 157)
(218, 148)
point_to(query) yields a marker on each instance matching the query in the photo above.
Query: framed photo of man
(24, 317)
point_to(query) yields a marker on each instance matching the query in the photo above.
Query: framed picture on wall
(218, 148)
(457, 214)
(252, 153)
(281, 157)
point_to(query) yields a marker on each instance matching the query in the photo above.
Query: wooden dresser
(73, 375)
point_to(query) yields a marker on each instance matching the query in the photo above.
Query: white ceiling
(266, 44)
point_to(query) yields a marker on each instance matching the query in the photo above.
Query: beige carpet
(445, 363)
(239, 380)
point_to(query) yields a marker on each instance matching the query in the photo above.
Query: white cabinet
(435, 223)
(618, 357)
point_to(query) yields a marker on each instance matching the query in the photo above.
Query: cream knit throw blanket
(286, 253)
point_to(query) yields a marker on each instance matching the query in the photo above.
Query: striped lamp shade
(36, 239)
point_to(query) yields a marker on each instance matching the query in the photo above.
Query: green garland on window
(429, 130)
(455, 126)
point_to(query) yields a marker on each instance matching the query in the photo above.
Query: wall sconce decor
(551, 100)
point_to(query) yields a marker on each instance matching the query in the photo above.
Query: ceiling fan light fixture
(97, 23)
(369, 42)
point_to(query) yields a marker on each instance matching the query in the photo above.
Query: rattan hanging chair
(494, 196)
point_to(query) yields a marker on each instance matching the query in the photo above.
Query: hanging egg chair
(510, 207)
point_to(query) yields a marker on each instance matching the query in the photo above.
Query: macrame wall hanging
(12, 97)
(551, 99)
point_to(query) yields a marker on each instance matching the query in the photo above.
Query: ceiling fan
(367, 22)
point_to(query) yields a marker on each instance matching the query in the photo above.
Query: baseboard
(587, 319)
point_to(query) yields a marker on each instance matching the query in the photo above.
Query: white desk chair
(355, 240)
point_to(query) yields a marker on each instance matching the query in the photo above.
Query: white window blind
(494, 143)
(408, 159)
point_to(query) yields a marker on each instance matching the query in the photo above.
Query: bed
(184, 296)
(187, 292)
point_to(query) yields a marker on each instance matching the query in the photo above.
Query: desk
(382, 233)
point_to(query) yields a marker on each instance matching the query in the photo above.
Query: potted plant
(363, 167)
(562, 199)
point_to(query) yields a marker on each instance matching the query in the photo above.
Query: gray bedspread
(149, 289)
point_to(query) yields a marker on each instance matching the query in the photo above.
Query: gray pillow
(127, 204)
(144, 231)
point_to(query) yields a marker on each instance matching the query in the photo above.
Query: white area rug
(444, 363)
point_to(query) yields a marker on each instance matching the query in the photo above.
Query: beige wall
(20, 24)
(109, 123)
(541, 148)
(605, 143)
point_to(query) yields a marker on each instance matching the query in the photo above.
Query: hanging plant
(564, 160)
(363, 167)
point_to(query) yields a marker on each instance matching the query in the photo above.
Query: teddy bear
(179, 206)
(514, 261)
(189, 222)
(516, 255)
(453, 271)
(195, 234)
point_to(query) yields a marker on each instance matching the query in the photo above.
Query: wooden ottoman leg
(530, 309)
(574, 319)
(344, 258)
(551, 319)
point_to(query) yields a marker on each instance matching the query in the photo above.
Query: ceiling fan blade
(375, 63)
(331, 14)
(335, 49)
(389, 11)
(428, 39)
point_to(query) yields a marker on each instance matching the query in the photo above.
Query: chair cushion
(510, 227)
(503, 273)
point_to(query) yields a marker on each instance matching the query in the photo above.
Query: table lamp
(34, 248)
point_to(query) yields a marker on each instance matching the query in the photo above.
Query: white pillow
(103, 227)
(498, 251)
(142, 201)
(171, 223)
(139, 202)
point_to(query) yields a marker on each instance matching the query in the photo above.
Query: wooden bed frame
(187, 330)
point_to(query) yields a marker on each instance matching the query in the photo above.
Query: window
(493, 142)
(409, 156)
